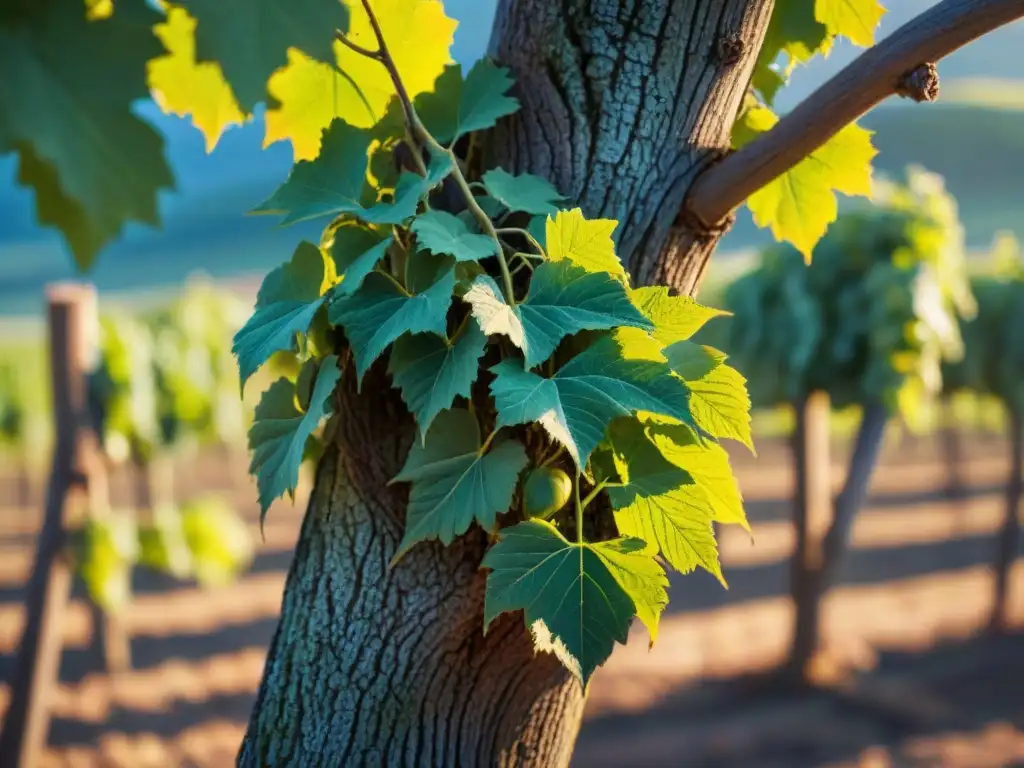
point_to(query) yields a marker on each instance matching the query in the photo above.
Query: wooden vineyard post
(76, 471)
(812, 511)
(1008, 543)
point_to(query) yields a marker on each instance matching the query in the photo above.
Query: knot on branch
(730, 48)
(920, 84)
(690, 220)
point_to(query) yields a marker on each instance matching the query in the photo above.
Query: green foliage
(281, 428)
(520, 387)
(12, 407)
(105, 549)
(871, 319)
(993, 360)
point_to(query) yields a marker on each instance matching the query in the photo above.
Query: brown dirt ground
(907, 678)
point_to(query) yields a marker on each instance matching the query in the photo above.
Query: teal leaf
(484, 98)
(356, 251)
(381, 311)
(578, 403)
(526, 192)
(288, 299)
(280, 430)
(442, 233)
(576, 608)
(335, 183)
(565, 299)
(431, 372)
(453, 484)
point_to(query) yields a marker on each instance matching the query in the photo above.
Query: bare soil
(907, 676)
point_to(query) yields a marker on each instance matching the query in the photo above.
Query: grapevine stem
(525, 233)
(394, 282)
(420, 132)
(579, 509)
(597, 489)
(356, 47)
(487, 443)
(553, 456)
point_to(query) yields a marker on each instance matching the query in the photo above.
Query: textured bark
(379, 666)
(624, 102)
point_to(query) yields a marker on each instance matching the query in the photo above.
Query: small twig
(341, 38)
(419, 131)
(526, 234)
(596, 490)
(870, 78)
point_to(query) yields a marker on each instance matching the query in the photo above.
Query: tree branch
(888, 68)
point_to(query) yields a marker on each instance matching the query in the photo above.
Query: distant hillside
(205, 226)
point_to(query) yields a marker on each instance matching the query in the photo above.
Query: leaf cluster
(167, 377)
(872, 318)
(993, 359)
(509, 327)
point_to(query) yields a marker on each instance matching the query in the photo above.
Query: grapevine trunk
(623, 105)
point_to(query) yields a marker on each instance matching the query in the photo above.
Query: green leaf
(453, 484)
(799, 205)
(661, 503)
(692, 361)
(720, 404)
(251, 39)
(584, 242)
(525, 192)
(335, 183)
(675, 318)
(279, 432)
(576, 405)
(707, 463)
(431, 373)
(381, 311)
(640, 577)
(856, 20)
(356, 251)
(795, 31)
(565, 299)
(288, 299)
(442, 233)
(575, 606)
(483, 100)
(67, 113)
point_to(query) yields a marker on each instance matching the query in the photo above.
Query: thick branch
(877, 73)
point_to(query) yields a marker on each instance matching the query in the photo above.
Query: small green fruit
(545, 492)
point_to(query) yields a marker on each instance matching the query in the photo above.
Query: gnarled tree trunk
(624, 103)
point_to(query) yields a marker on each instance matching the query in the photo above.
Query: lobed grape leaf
(279, 432)
(675, 318)
(381, 311)
(92, 164)
(526, 192)
(661, 503)
(492, 313)
(577, 606)
(431, 372)
(356, 251)
(587, 243)
(707, 463)
(250, 38)
(308, 94)
(335, 183)
(442, 233)
(720, 404)
(183, 86)
(578, 403)
(289, 297)
(564, 299)
(799, 205)
(453, 483)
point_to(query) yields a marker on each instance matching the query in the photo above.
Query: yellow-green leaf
(856, 20)
(310, 93)
(799, 205)
(584, 242)
(187, 88)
